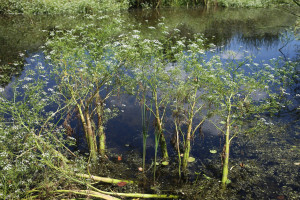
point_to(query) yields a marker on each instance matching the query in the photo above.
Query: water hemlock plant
(147, 61)
(243, 92)
(88, 76)
(190, 88)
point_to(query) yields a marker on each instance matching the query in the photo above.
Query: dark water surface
(265, 33)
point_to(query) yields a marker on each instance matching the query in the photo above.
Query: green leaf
(222, 122)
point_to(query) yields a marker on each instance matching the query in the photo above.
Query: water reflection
(253, 27)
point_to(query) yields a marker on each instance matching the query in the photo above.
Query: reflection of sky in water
(261, 51)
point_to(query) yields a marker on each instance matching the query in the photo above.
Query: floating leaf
(213, 151)
(165, 163)
(191, 159)
(228, 181)
(222, 122)
(157, 163)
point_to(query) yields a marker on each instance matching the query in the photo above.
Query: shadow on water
(262, 168)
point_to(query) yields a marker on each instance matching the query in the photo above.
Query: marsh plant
(35, 160)
(245, 91)
(191, 88)
(179, 77)
(147, 60)
(29, 135)
(88, 75)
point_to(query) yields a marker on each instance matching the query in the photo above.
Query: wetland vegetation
(99, 102)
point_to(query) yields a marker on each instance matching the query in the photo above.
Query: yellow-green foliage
(60, 6)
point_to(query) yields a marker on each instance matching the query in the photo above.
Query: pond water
(265, 33)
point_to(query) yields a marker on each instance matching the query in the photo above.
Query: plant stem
(104, 179)
(91, 137)
(145, 130)
(187, 147)
(162, 140)
(227, 145)
(88, 193)
(102, 137)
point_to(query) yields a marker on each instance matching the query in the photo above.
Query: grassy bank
(59, 6)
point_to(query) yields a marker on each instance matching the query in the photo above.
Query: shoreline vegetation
(53, 117)
(67, 7)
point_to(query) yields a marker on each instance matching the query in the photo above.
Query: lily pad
(213, 151)
(191, 159)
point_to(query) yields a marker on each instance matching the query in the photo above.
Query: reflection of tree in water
(20, 34)
(254, 27)
(267, 40)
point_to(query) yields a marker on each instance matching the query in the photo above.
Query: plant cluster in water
(170, 76)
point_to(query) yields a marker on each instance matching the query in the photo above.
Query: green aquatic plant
(190, 88)
(243, 92)
(147, 61)
(88, 76)
(35, 160)
(29, 135)
(145, 123)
